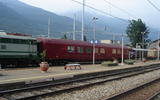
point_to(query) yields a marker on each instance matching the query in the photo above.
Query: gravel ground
(105, 89)
(143, 94)
(50, 89)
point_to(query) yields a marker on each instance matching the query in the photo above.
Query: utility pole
(83, 20)
(158, 48)
(114, 39)
(122, 62)
(49, 22)
(74, 28)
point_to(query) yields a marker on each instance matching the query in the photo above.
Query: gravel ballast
(106, 89)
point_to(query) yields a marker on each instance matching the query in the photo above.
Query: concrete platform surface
(28, 74)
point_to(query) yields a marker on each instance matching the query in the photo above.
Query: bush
(109, 63)
(130, 62)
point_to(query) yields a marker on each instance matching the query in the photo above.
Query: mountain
(10, 20)
(111, 24)
(108, 25)
(105, 26)
(19, 17)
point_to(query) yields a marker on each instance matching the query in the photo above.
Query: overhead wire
(128, 12)
(153, 5)
(98, 10)
(120, 9)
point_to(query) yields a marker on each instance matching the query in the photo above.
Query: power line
(100, 11)
(154, 5)
(121, 9)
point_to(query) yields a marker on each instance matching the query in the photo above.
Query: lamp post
(83, 20)
(49, 22)
(74, 28)
(94, 37)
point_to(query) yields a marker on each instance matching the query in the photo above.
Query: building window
(113, 51)
(3, 47)
(80, 49)
(88, 50)
(102, 51)
(70, 49)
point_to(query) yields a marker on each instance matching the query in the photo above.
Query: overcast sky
(138, 8)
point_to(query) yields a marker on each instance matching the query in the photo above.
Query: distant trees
(137, 32)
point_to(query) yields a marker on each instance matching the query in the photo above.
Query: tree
(43, 55)
(137, 32)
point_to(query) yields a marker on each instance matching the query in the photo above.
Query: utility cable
(120, 9)
(153, 5)
(101, 11)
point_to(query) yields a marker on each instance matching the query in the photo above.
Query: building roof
(15, 36)
(76, 42)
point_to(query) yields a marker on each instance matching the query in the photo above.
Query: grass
(109, 63)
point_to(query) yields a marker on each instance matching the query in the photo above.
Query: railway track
(134, 93)
(155, 96)
(34, 92)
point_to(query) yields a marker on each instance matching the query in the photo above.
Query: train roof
(10, 36)
(76, 42)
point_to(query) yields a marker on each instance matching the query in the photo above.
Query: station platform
(28, 75)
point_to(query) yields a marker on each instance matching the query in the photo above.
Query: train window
(33, 42)
(88, 50)
(80, 49)
(113, 51)
(3, 47)
(70, 49)
(16, 41)
(4, 40)
(127, 52)
(96, 50)
(119, 51)
(102, 51)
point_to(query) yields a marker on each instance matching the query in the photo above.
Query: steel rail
(80, 86)
(123, 94)
(68, 81)
(76, 80)
(153, 96)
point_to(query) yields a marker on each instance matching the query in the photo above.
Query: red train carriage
(58, 50)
